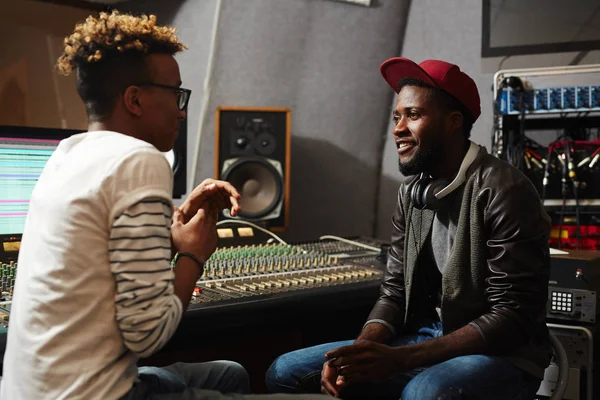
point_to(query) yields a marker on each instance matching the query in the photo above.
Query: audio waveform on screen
(21, 164)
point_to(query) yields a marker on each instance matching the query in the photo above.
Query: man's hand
(331, 381)
(197, 236)
(367, 361)
(220, 194)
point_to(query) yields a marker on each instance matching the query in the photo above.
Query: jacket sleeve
(519, 266)
(390, 307)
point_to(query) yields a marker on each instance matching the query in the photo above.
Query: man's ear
(132, 100)
(455, 120)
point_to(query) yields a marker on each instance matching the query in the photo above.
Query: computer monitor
(24, 152)
(23, 155)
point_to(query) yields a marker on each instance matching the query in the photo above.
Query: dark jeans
(466, 377)
(215, 380)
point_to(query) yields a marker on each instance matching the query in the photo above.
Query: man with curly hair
(96, 290)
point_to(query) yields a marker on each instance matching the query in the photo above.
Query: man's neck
(110, 125)
(450, 160)
(99, 126)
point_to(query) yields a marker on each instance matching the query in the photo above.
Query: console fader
(245, 271)
(250, 271)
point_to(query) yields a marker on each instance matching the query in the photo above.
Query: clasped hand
(363, 361)
(193, 228)
(213, 196)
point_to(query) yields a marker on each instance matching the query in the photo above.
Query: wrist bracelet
(192, 256)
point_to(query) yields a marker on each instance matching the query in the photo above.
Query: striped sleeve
(148, 311)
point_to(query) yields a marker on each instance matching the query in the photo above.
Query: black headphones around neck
(428, 193)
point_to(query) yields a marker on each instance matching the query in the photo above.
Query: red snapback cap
(441, 74)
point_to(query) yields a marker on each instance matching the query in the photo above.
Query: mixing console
(348, 249)
(238, 273)
(241, 272)
(355, 252)
(8, 274)
(7, 278)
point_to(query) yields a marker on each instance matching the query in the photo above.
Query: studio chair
(562, 363)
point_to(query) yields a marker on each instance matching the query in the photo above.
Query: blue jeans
(466, 377)
(215, 380)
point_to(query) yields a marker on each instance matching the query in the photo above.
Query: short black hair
(444, 100)
(99, 85)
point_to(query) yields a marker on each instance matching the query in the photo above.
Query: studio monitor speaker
(252, 152)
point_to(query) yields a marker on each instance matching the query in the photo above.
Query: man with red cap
(461, 312)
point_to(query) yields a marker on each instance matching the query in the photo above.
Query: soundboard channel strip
(249, 272)
(272, 269)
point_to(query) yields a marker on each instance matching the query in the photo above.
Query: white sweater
(94, 290)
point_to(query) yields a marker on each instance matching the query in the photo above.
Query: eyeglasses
(183, 95)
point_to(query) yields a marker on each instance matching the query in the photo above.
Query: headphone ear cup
(416, 193)
(428, 197)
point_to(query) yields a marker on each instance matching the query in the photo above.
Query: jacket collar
(419, 223)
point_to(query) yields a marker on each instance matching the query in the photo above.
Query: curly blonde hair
(109, 53)
(110, 34)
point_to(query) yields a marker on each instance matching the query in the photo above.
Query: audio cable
(572, 174)
(564, 188)
(547, 170)
(592, 159)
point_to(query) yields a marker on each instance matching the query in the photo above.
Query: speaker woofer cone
(259, 184)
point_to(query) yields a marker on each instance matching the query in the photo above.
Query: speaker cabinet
(252, 152)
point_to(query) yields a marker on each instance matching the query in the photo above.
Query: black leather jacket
(496, 278)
